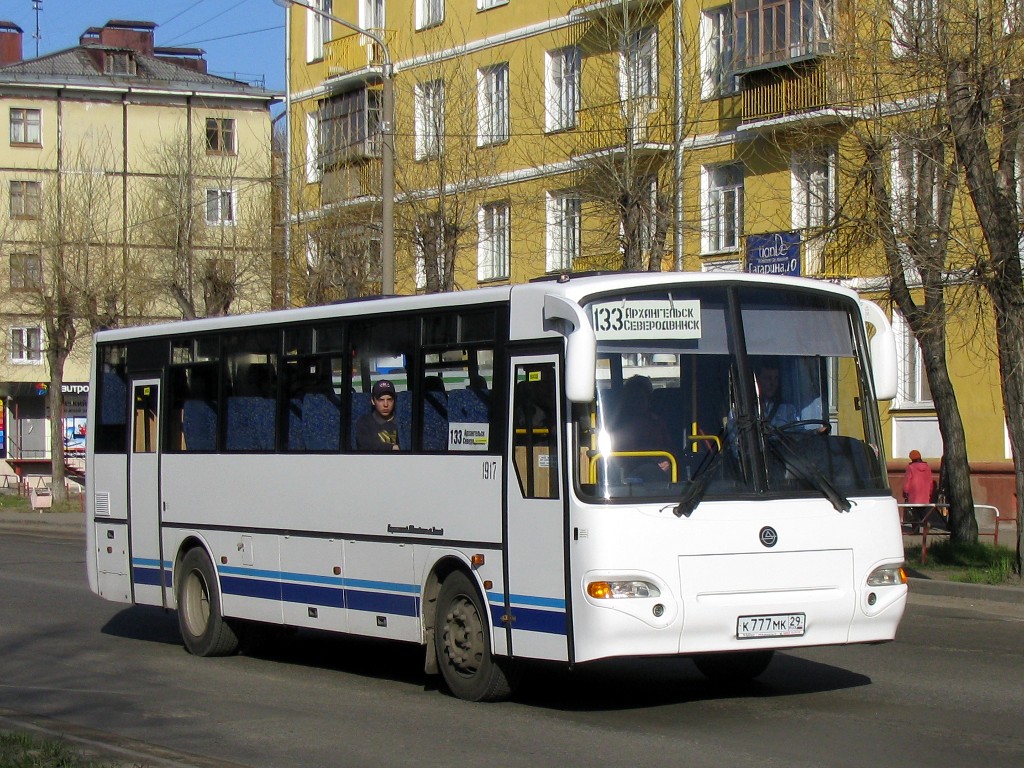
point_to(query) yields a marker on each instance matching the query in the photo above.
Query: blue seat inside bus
(435, 415)
(114, 407)
(199, 425)
(250, 424)
(470, 406)
(321, 421)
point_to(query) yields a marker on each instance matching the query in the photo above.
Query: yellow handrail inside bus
(614, 454)
(697, 438)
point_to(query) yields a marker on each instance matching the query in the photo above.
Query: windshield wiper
(694, 492)
(781, 445)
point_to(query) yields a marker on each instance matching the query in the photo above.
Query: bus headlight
(614, 590)
(887, 576)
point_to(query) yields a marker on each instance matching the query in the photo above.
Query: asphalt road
(115, 678)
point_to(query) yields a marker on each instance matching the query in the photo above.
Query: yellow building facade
(533, 138)
(135, 184)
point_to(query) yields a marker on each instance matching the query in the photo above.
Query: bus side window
(535, 430)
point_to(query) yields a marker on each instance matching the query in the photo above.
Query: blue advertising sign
(777, 253)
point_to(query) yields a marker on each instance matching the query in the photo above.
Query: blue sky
(242, 38)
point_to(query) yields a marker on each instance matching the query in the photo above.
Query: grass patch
(969, 563)
(12, 502)
(20, 750)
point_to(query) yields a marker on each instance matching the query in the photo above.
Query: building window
(563, 230)
(716, 53)
(27, 345)
(26, 271)
(119, 63)
(429, 118)
(813, 187)
(483, 5)
(318, 29)
(220, 136)
(492, 105)
(915, 26)
(429, 13)
(913, 390)
(26, 126)
(561, 88)
(639, 65)
(26, 199)
(917, 179)
(493, 241)
(371, 14)
(220, 206)
(722, 198)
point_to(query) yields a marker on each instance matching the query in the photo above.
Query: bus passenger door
(144, 494)
(536, 614)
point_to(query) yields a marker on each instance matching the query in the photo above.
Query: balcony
(770, 33)
(355, 52)
(644, 124)
(803, 88)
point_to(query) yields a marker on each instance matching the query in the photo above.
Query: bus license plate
(774, 625)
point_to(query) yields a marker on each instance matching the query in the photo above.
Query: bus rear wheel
(463, 644)
(734, 667)
(203, 629)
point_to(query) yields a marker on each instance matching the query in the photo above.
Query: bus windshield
(729, 391)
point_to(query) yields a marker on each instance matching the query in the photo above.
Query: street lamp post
(387, 132)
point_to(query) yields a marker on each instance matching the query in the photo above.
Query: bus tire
(462, 642)
(203, 629)
(735, 667)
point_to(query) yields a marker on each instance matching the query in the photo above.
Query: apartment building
(534, 138)
(137, 188)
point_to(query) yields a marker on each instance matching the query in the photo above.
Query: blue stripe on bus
(381, 602)
(310, 594)
(151, 576)
(531, 619)
(314, 594)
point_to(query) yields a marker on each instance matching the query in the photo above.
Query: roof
(79, 67)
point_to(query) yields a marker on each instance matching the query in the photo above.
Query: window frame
(716, 188)
(493, 241)
(221, 136)
(221, 194)
(428, 118)
(30, 197)
(717, 53)
(26, 272)
(639, 67)
(562, 67)
(25, 126)
(29, 355)
(318, 30)
(813, 187)
(429, 13)
(912, 391)
(563, 229)
(492, 97)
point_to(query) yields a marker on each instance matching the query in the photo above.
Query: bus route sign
(647, 319)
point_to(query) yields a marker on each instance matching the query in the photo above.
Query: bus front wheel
(463, 644)
(734, 667)
(203, 629)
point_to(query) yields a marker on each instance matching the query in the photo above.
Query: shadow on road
(593, 687)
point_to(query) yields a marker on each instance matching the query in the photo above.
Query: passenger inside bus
(378, 429)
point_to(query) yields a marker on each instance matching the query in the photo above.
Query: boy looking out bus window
(378, 430)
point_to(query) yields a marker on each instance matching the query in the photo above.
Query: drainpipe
(677, 77)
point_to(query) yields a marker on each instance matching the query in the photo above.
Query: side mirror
(882, 347)
(569, 319)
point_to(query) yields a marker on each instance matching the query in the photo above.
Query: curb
(991, 593)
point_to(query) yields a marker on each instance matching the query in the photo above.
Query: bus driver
(378, 430)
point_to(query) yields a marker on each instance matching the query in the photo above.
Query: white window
(429, 118)
(563, 230)
(27, 345)
(483, 5)
(914, 26)
(492, 105)
(913, 390)
(220, 206)
(26, 199)
(318, 29)
(716, 53)
(638, 77)
(429, 13)
(371, 14)
(561, 88)
(722, 204)
(493, 241)
(917, 168)
(813, 188)
(26, 126)
(313, 173)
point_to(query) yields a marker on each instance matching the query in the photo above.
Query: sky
(243, 39)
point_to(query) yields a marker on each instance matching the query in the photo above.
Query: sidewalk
(72, 525)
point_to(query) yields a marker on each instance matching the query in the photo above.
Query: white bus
(525, 514)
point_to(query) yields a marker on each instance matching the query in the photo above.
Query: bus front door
(536, 615)
(144, 494)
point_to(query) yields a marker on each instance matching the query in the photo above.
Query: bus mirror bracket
(569, 319)
(883, 350)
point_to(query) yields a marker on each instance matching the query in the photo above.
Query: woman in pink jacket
(918, 488)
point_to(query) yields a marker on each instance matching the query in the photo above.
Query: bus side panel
(107, 510)
(312, 587)
(382, 598)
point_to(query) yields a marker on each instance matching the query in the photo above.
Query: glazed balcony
(770, 33)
